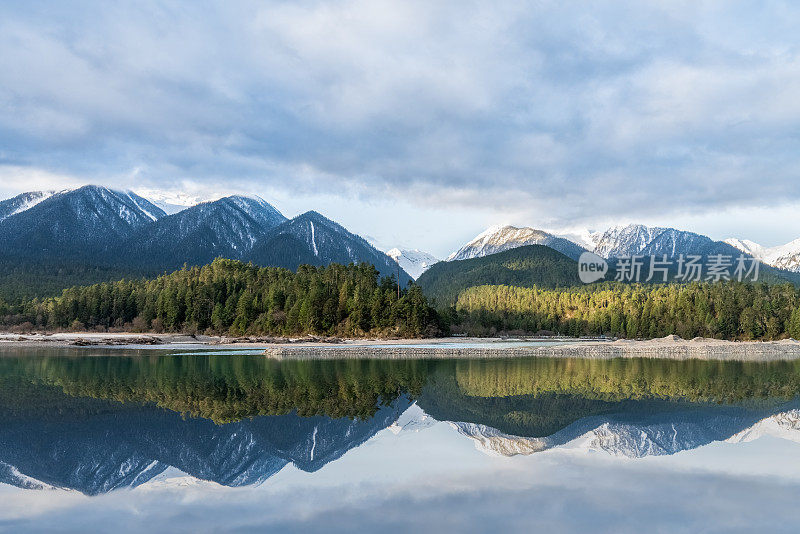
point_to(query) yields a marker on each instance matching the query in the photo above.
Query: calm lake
(193, 441)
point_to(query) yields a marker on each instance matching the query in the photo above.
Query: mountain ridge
(313, 239)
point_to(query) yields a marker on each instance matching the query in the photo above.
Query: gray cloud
(568, 109)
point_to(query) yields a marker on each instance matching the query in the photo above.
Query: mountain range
(102, 234)
(91, 234)
(630, 240)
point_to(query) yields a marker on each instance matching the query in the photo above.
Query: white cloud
(560, 112)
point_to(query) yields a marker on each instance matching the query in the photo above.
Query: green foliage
(23, 279)
(240, 299)
(730, 310)
(533, 265)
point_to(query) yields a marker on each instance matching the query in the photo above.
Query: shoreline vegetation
(234, 299)
(232, 302)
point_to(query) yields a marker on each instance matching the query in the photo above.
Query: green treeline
(727, 310)
(230, 297)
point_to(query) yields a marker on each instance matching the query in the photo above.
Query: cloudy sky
(418, 123)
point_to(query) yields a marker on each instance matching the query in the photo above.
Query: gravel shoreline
(665, 348)
(670, 347)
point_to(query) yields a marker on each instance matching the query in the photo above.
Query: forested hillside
(727, 310)
(235, 298)
(528, 266)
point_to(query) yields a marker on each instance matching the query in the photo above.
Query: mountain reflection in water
(100, 422)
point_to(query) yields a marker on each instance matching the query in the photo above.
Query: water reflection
(101, 422)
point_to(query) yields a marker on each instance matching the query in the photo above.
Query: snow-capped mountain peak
(171, 201)
(500, 238)
(625, 240)
(497, 239)
(414, 262)
(747, 246)
(785, 257)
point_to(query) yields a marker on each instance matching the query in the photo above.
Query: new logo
(591, 267)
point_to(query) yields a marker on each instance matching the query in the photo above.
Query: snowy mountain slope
(785, 257)
(172, 201)
(586, 239)
(625, 240)
(618, 241)
(228, 227)
(637, 239)
(22, 202)
(79, 223)
(313, 239)
(500, 238)
(748, 247)
(496, 443)
(414, 262)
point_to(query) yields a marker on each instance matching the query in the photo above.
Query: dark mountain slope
(313, 239)
(83, 223)
(224, 228)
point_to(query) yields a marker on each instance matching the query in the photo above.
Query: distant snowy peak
(785, 257)
(172, 201)
(625, 240)
(617, 241)
(497, 239)
(748, 247)
(586, 239)
(501, 238)
(12, 476)
(414, 262)
(228, 227)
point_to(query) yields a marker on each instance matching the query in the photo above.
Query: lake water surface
(195, 441)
